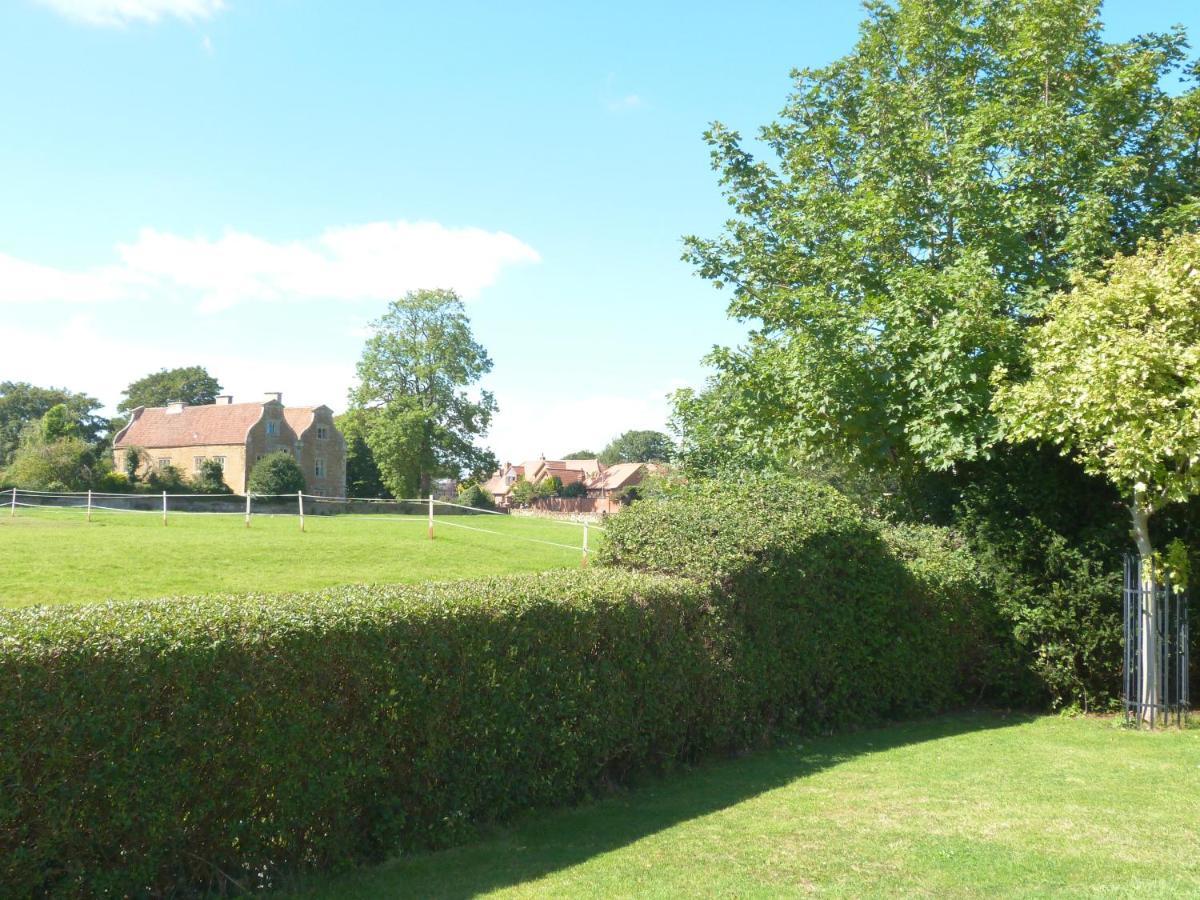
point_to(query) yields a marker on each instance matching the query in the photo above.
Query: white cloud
(114, 13)
(81, 357)
(375, 261)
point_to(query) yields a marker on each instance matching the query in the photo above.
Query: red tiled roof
(192, 427)
(298, 418)
(615, 477)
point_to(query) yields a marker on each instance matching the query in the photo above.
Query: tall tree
(414, 379)
(1115, 383)
(362, 472)
(191, 385)
(638, 446)
(928, 191)
(22, 403)
(1115, 378)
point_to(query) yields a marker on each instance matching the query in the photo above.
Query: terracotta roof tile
(192, 427)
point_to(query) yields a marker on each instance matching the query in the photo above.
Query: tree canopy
(1115, 376)
(638, 446)
(191, 385)
(927, 192)
(414, 398)
(22, 403)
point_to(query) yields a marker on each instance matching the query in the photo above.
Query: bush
(276, 473)
(114, 483)
(473, 495)
(857, 621)
(210, 479)
(146, 747)
(575, 489)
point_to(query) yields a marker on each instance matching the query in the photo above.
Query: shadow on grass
(542, 843)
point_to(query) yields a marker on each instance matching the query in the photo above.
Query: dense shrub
(276, 473)
(851, 620)
(147, 746)
(473, 495)
(155, 747)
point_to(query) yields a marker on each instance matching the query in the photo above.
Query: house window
(163, 461)
(271, 427)
(320, 468)
(197, 462)
(220, 461)
(322, 432)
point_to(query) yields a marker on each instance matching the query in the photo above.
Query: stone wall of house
(186, 460)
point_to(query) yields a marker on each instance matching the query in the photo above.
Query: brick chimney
(175, 407)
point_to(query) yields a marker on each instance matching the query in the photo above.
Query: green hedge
(850, 620)
(152, 745)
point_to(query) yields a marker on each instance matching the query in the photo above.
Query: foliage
(1049, 539)
(62, 464)
(581, 454)
(131, 463)
(58, 423)
(412, 714)
(473, 495)
(168, 478)
(928, 189)
(408, 714)
(548, 487)
(1115, 376)
(22, 403)
(413, 380)
(638, 446)
(112, 482)
(210, 479)
(190, 384)
(522, 491)
(362, 473)
(865, 621)
(575, 489)
(276, 473)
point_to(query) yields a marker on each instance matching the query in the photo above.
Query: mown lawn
(55, 556)
(970, 806)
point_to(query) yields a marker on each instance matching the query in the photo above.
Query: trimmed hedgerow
(150, 746)
(157, 747)
(849, 620)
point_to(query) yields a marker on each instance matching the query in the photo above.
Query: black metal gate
(1156, 645)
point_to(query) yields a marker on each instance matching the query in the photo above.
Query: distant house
(237, 435)
(600, 481)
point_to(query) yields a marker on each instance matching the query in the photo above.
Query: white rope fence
(249, 505)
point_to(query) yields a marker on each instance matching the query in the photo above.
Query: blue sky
(243, 184)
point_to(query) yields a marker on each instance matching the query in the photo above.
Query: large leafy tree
(189, 384)
(638, 446)
(414, 394)
(22, 403)
(1114, 378)
(927, 191)
(1115, 383)
(362, 472)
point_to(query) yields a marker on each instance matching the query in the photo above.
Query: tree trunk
(1148, 649)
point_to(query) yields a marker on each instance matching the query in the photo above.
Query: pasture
(52, 556)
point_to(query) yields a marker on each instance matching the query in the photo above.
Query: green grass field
(966, 806)
(56, 556)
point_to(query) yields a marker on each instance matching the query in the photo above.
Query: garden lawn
(55, 556)
(968, 806)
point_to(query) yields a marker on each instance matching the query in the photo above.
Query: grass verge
(971, 806)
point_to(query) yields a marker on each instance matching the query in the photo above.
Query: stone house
(237, 435)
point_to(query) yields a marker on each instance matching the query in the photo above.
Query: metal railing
(1155, 688)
